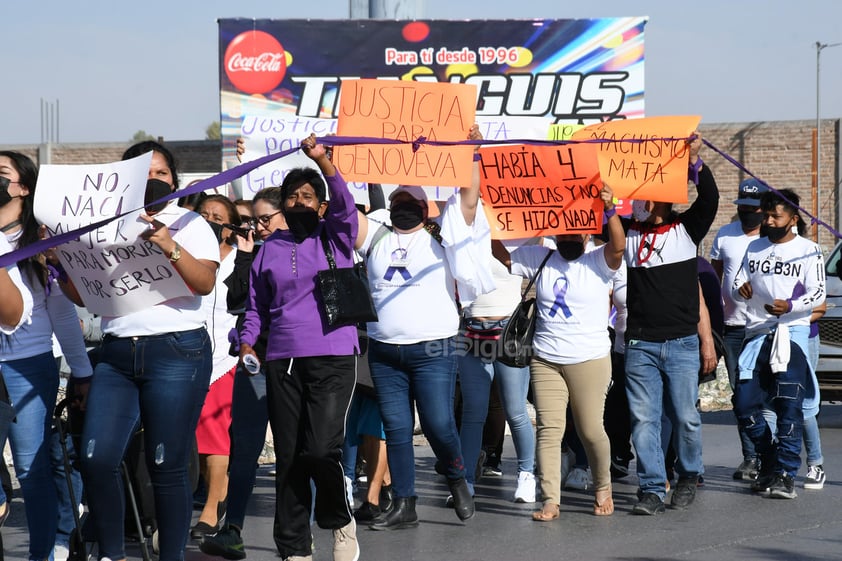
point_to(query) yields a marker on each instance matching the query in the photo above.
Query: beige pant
(584, 386)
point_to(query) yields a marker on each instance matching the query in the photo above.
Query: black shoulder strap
(535, 276)
(328, 253)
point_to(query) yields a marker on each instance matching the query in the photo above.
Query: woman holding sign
(415, 270)
(154, 370)
(29, 369)
(572, 362)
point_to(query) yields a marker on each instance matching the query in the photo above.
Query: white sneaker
(525, 492)
(568, 458)
(61, 552)
(815, 477)
(578, 479)
(345, 545)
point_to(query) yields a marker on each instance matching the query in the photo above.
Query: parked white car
(829, 371)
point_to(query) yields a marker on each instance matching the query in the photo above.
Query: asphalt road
(725, 522)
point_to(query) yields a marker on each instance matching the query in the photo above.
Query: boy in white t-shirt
(781, 280)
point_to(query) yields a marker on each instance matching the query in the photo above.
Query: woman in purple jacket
(310, 366)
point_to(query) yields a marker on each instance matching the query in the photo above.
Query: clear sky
(119, 67)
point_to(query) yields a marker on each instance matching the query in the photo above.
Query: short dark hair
(298, 177)
(145, 146)
(272, 195)
(788, 198)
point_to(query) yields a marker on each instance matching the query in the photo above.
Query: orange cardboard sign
(530, 191)
(406, 111)
(646, 159)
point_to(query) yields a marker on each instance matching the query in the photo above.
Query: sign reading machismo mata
(280, 79)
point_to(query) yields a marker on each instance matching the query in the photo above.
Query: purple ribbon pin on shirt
(397, 255)
(560, 289)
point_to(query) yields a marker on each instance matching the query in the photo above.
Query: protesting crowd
(627, 323)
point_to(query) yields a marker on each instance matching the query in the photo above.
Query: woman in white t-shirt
(154, 369)
(483, 321)
(415, 269)
(571, 347)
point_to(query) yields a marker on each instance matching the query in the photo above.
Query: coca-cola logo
(255, 62)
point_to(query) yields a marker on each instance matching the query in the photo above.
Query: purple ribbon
(236, 172)
(560, 289)
(398, 254)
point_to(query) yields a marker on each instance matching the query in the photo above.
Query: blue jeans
(476, 373)
(812, 438)
(426, 373)
(664, 377)
(785, 392)
(733, 345)
(249, 418)
(33, 384)
(159, 382)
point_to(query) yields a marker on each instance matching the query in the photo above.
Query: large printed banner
(647, 158)
(115, 271)
(276, 88)
(532, 191)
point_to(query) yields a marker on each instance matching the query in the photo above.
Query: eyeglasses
(265, 218)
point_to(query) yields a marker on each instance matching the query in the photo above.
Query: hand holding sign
(531, 191)
(158, 233)
(406, 111)
(645, 159)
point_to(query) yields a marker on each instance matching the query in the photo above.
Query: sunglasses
(265, 218)
(246, 219)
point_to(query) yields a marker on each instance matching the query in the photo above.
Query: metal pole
(819, 48)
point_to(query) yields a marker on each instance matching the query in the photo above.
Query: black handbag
(345, 293)
(516, 338)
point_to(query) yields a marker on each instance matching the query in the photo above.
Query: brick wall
(781, 154)
(778, 152)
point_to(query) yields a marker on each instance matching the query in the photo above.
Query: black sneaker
(783, 487)
(684, 492)
(747, 471)
(649, 504)
(762, 483)
(367, 512)
(226, 543)
(619, 467)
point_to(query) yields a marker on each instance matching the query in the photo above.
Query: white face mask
(640, 212)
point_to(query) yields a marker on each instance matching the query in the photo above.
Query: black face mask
(570, 250)
(774, 234)
(5, 197)
(217, 230)
(301, 223)
(749, 219)
(406, 216)
(156, 189)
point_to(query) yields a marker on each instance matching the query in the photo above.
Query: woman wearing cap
(415, 271)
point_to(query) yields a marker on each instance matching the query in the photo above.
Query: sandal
(604, 507)
(547, 513)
